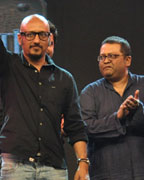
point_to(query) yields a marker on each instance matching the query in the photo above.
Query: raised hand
(131, 103)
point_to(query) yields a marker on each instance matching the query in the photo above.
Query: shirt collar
(130, 81)
(49, 61)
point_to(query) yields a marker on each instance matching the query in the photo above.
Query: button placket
(40, 97)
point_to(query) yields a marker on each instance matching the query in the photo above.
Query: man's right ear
(19, 39)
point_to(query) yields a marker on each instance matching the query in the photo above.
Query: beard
(35, 57)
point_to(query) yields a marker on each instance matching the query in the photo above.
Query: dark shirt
(116, 146)
(33, 103)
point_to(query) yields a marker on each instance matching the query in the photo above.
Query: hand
(82, 172)
(133, 103)
(62, 126)
(129, 104)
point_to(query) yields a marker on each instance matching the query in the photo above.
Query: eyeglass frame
(35, 33)
(108, 56)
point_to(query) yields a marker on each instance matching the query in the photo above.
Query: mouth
(107, 67)
(36, 47)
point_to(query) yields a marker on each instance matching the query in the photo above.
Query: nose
(106, 60)
(36, 39)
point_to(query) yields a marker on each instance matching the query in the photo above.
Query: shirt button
(31, 159)
(35, 71)
(40, 83)
(38, 154)
(41, 109)
(39, 138)
(41, 123)
(40, 97)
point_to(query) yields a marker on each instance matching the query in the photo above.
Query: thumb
(136, 95)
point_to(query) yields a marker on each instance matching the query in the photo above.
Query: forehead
(36, 25)
(110, 48)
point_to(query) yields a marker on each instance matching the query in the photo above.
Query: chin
(35, 57)
(107, 74)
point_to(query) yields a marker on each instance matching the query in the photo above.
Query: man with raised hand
(35, 92)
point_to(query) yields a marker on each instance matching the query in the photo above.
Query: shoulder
(94, 86)
(137, 78)
(63, 73)
(59, 71)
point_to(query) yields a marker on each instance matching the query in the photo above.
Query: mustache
(36, 45)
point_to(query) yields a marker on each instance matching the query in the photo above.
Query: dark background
(82, 25)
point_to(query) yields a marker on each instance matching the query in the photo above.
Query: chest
(108, 101)
(29, 85)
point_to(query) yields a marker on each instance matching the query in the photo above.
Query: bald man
(35, 92)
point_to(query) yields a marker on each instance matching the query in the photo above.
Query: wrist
(84, 160)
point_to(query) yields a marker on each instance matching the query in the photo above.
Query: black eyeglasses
(109, 56)
(31, 35)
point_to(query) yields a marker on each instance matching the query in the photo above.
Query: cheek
(25, 46)
(100, 66)
(119, 65)
(44, 43)
(23, 43)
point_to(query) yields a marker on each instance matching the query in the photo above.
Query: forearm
(107, 127)
(80, 149)
(3, 58)
(100, 123)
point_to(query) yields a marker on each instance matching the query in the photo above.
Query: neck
(37, 63)
(120, 85)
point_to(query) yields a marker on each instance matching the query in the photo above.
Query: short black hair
(53, 30)
(125, 46)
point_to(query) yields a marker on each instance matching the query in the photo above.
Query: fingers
(122, 111)
(131, 102)
(136, 95)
